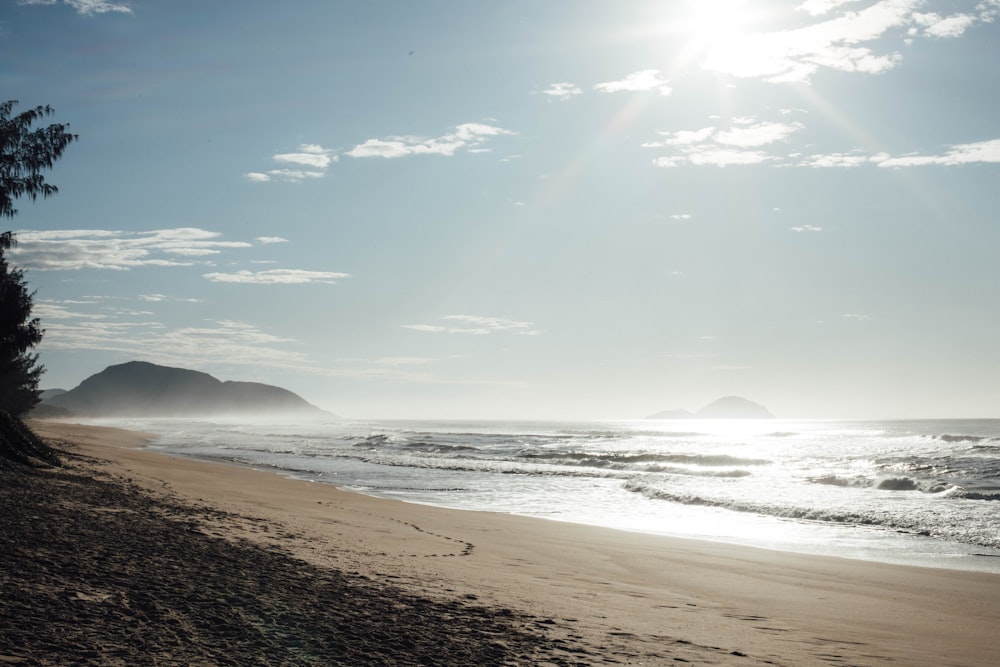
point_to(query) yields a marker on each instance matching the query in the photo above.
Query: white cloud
(806, 228)
(757, 135)
(959, 154)
(721, 157)
(156, 298)
(477, 325)
(74, 249)
(312, 160)
(277, 277)
(817, 7)
(644, 80)
(310, 156)
(563, 90)
(266, 240)
(47, 310)
(836, 160)
(141, 336)
(943, 27)
(684, 137)
(468, 136)
(795, 55)
(680, 216)
(429, 328)
(85, 7)
(857, 317)
(723, 147)
(981, 151)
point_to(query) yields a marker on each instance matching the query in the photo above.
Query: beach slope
(128, 555)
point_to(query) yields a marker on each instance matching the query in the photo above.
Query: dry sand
(175, 561)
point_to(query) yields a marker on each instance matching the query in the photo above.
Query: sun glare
(714, 21)
(709, 25)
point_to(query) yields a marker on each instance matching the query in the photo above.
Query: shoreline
(640, 597)
(858, 537)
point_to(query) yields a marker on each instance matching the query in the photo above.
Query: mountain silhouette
(142, 389)
(727, 407)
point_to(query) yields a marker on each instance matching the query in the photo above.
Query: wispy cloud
(469, 136)
(157, 298)
(476, 325)
(141, 336)
(723, 147)
(309, 155)
(644, 80)
(843, 38)
(85, 7)
(118, 250)
(980, 151)
(757, 134)
(277, 277)
(806, 228)
(311, 161)
(818, 7)
(833, 160)
(563, 90)
(935, 25)
(749, 141)
(955, 155)
(267, 240)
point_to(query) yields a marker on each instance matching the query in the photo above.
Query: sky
(515, 209)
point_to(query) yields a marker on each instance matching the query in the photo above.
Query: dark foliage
(19, 446)
(19, 332)
(25, 153)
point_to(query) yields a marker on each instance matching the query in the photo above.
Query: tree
(24, 154)
(19, 332)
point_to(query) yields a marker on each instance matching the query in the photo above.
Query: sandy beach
(127, 556)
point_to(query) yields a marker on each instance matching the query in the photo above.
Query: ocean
(910, 492)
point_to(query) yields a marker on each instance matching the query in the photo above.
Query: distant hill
(51, 393)
(142, 389)
(728, 407)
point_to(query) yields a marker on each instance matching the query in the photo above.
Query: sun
(707, 26)
(711, 22)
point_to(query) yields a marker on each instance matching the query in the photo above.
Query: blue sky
(524, 209)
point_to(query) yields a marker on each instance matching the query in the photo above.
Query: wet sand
(127, 556)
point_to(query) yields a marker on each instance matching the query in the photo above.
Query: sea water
(911, 492)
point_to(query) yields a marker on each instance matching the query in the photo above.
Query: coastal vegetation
(24, 154)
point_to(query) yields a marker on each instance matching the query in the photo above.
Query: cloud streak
(310, 161)
(979, 152)
(116, 250)
(85, 7)
(476, 325)
(844, 38)
(642, 81)
(471, 137)
(277, 277)
(748, 142)
(141, 336)
(712, 146)
(563, 90)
